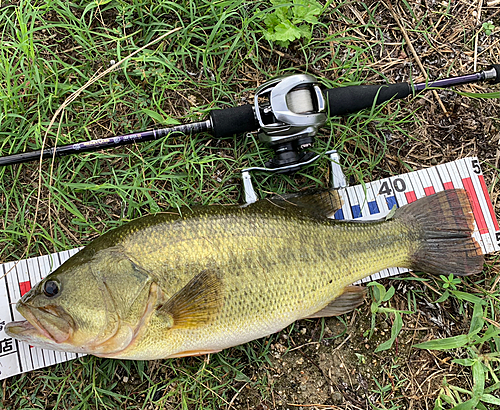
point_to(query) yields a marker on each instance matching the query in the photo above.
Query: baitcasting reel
(290, 111)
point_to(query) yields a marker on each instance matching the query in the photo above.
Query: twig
(496, 324)
(497, 280)
(236, 395)
(360, 18)
(293, 60)
(425, 283)
(301, 346)
(415, 55)
(476, 39)
(342, 344)
(346, 370)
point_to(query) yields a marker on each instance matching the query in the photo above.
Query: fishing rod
(287, 112)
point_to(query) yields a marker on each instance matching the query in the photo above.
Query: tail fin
(444, 222)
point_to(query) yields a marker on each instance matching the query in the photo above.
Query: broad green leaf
(477, 321)
(389, 294)
(153, 114)
(287, 31)
(443, 297)
(384, 346)
(392, 310)
(269, 35)
(493, 388)
(491, 333)
(241, 377)
(488, 398)
(305, 31)
(161, 118)
(378, 291)
(468, 297)
(438, 405)
(444, 344)
(271, 20)
(479, 379)
(306, 10)
(396, 328)
(464, 362)
(468, 405)
(447, 399)
(281, 9)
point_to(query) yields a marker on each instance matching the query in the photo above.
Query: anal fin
(352, 297)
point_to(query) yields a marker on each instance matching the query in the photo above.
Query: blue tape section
(356, 211)
(373, 207)
(339, 214)
(391, 201)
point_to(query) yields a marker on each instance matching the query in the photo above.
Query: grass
(215, 59)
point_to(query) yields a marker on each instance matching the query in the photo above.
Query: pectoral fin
(197, 303)
(349, 300)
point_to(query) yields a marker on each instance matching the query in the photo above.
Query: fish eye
(50, 288)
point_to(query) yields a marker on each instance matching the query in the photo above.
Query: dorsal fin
(319, 202)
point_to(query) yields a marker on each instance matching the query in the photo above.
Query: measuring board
(361, 202)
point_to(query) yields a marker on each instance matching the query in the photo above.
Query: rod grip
(235, 120)
(497, 78)
(346, 100)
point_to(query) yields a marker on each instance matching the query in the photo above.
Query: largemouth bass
(208, 278)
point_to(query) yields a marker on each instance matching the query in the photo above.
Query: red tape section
(476, 208)
(410, 196)
(488, 201)
(429, 191)
(24, 287)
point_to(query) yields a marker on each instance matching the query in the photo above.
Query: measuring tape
(370, 201)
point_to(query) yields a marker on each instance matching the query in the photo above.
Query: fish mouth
(42, 324)
(24, 330)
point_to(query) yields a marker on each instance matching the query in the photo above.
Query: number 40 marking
(398, 184)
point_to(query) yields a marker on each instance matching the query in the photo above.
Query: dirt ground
(343, 372)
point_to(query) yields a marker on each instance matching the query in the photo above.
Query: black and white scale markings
(364, 202)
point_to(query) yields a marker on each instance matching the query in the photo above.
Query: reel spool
(289, 111)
